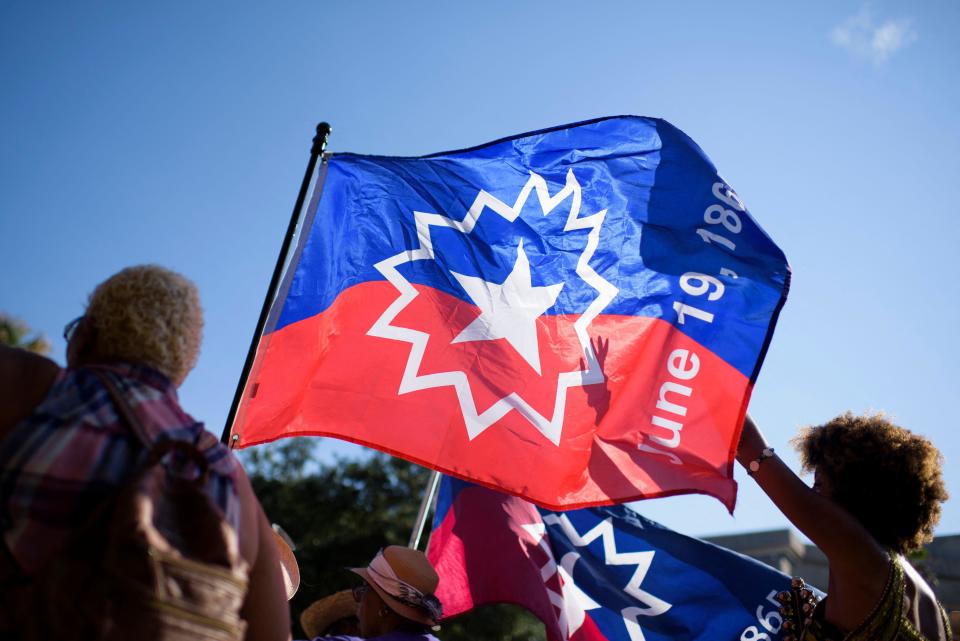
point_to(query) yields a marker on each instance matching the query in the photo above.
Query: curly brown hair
(887, 477)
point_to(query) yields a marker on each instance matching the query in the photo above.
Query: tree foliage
(339, 515)
(15, 333)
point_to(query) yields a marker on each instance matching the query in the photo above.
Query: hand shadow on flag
(598, 394)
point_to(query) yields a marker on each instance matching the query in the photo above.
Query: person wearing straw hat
(333, 615)
(396, 599)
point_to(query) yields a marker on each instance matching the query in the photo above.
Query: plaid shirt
(74, 450)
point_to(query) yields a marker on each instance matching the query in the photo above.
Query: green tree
(339, 515)
(15, 333)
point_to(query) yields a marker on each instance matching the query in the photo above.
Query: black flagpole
(319, 143)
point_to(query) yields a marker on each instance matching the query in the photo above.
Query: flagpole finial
(316, 151)
(320, 140)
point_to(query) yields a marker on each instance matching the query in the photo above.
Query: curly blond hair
(150, 315)
(886, 476)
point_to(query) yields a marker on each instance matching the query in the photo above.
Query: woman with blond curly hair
(70, 437)
(876, 496)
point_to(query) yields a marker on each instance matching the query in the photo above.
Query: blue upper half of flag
(673, 238)
(684, 588)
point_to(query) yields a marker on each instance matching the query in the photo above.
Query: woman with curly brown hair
(876, 496)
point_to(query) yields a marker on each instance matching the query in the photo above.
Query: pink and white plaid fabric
(72, 452)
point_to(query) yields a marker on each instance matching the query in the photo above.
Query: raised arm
(853, 553)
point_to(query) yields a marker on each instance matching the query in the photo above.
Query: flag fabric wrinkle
(596, 574)
(576, 315)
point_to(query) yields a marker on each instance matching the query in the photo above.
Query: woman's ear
(82, 346)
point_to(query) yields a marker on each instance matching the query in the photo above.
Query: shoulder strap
(123, 407)
(156, 450)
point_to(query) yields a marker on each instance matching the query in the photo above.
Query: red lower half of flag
(491, 548)
(663, 420)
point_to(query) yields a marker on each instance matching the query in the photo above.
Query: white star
(509, 310)
(475, 421)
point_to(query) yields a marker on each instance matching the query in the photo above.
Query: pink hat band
(380, 572)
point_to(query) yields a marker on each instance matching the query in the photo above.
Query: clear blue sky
(177, 133)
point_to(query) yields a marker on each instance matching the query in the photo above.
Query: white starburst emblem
(509, 310)
(571, 602)
(649, 605)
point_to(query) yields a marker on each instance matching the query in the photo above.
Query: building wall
(786, 551)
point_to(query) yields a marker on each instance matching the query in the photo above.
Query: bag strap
(157, 450)
(11, 574)
(123, 407)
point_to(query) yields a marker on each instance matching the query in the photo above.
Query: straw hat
(288, 562)
(323, 613)
(409, 567)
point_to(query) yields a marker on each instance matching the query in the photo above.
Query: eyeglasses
(70, 328)
(359, 591)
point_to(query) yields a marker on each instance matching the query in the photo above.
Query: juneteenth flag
(596, 574)
(575, 315)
